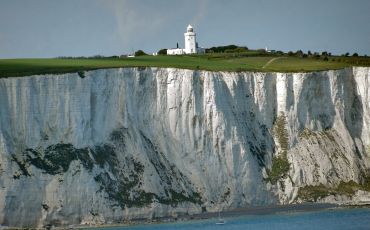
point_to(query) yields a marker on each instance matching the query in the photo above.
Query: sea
(349, 218)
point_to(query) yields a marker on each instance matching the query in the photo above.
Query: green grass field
(249, 61)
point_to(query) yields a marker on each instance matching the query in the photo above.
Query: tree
(346, 54)
(316, 55)
(229, 51)
(355, 55)
(162, 52)
(140, 53)
(299, 53)
(240, 49)
(222, 49)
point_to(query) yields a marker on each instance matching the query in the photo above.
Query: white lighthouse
(190, 41)
(191, 46)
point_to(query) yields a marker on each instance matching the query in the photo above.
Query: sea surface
(355, 218)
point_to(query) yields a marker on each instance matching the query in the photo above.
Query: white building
(191, 45)
(176, 51)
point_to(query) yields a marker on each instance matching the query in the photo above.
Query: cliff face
(130, 143)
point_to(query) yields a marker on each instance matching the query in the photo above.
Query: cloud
(201, 12)
(134, 21)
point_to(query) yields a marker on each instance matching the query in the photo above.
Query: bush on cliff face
(281, 133)
(279, 169)
(81, 74)
(280, 164)
(314, 193)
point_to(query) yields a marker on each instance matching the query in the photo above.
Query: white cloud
(141, 22)
(132, 21)
(200, 13)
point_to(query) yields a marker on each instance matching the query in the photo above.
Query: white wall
(175, 51)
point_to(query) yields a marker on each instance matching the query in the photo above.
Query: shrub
(279, 169)
(81, 74)
(299, 53)
(349, 188)
(222, 49)
(313, 193)
(240, 49)
(162, 52)
(280, 164)
(140, 53)
(229, 51)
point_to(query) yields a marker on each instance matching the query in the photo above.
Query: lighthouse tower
(190, 42)
(191, 46)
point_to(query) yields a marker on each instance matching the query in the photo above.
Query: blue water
(328, 219)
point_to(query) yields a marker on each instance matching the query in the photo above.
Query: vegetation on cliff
(280, 164)
(349, 188)
(119, 175)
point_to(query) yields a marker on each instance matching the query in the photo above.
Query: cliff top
(248, 61)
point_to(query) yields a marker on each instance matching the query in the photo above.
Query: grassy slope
(213, 62)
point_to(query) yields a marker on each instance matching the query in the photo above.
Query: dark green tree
(162, 52)
(299, 53)
(140, 53)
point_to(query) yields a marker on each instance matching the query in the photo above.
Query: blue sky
(51, 28)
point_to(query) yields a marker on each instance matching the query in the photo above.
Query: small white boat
(220, 220)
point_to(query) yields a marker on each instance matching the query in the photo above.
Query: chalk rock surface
(130, 143)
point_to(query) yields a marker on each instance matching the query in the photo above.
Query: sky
(53, 28)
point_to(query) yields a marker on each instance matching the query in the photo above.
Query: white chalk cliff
(118, 144)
